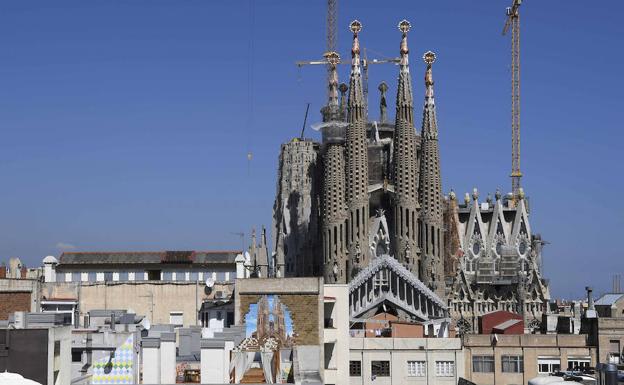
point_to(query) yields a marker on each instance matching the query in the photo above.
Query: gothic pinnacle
(429, 57)
(355, 27)
(333, 59)
(404, 27)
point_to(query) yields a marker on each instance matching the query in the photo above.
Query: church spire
(331, 112)
(430, 124)
(405, 165)
(357, 162)
(431, 187)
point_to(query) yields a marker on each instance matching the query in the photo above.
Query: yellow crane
(513, 23)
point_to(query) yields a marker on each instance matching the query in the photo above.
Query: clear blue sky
(125, 124)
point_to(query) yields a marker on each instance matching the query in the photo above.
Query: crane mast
(513, 23)
(332, 15)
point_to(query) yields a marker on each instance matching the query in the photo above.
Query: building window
(548, 365)
(445, 368)
(416, 368)
(75, 277)
(221, 276)
(153, 275)
(108, 276)
(575, 363)
(92, 276)
(123, 276)
(614, 351)
(168, 276)
(76, 356)
(219, 316)
(230, 319)
(380, 368)
(355, 368)
(176, 318)
(194, 276)
(483, 364)
(513, 364)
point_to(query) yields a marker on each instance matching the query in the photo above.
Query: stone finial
(498, 194)
(489, 198)
(383, 106)
(452, 195)
(343, 88)
(429, 57)
(521, 193)
(404, 26)
(475, 194)
(355, 26)
(467, 198)
(333, 59)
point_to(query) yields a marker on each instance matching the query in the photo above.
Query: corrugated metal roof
(147, 257)
(609, 299)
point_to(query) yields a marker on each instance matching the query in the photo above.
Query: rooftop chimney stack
(591, 310)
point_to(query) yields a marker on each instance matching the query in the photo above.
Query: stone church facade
(372, 189)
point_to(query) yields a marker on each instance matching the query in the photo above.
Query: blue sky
(125, 124)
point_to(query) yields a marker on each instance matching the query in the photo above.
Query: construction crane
(513, 22)
(365, 64)
(332, 16)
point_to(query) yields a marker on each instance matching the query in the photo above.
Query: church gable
(385, 282)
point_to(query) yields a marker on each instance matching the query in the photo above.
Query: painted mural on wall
(270, 320)
(117, 368)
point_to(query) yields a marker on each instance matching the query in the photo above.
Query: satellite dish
(146, 323)
(209, 282)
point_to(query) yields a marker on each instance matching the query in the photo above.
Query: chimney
(591, 310)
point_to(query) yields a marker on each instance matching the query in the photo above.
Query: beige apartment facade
(385, 361)
(515, 359)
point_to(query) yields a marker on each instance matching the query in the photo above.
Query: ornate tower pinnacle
(333, 59)
(430, 190)
(429, 58)
(405, 165)
(383, 105)
(356, 163)
(332, 110)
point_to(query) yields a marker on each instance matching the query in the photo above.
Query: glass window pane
(123, 276)
(167, 276)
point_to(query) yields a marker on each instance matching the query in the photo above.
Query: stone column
(168, 358)
(212, 361)
(240, 266)
(151, 360)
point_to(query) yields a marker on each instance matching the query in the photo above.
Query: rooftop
(609, 299)
(148, 257)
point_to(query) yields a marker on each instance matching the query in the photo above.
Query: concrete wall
(398, 351)
(154, 299)
(18, 295)
(530, 347)
(59, 355)
(609, 329)
(337, 338)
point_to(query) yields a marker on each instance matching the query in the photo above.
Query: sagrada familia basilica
(365, 207)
